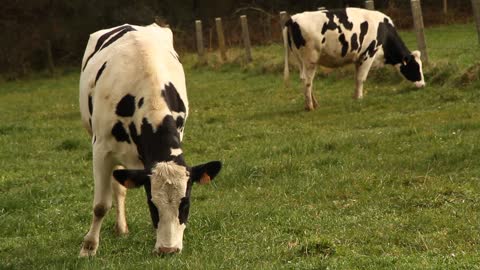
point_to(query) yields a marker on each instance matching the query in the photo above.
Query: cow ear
(131, 178)
(205, 173)
(406, 59)
(417, 54)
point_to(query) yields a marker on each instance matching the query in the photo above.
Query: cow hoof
(166, 251)
(309, 107)
(121, 230)
(89, 248)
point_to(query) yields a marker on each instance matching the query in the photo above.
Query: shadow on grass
(406, 90)
(69, 145)
(13, 129)
(277, 114)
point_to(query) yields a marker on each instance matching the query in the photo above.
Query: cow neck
(155, 145)
(393, 47)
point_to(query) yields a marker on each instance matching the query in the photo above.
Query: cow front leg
(102, 201)
(361, 73)
(314, 101)
(310, 100)
(119, 195)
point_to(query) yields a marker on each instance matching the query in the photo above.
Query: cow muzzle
(420, 84)
(167, 250)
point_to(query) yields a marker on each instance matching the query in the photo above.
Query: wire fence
(61, 45)
(265, 28)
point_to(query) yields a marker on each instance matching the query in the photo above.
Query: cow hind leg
(102, 202)
(310, 100)
(119, 195)
(361, 73)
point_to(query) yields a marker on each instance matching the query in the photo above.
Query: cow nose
(420, 84)
(167, 250)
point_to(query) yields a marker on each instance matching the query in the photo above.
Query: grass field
(388, 182)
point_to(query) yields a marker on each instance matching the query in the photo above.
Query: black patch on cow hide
(354, 42)
(370, 51)
(119, 132)
(100, 71)
(126, 106)
(99, 211)
(296, 32)
(154, 146)
(101, 40)
(90, 104)
(180, 121)
(118, 36)
(363, 32)
(140, 103)
(393, 47)
(323, 40)
(343, 18)
(344, 43)
(341, 14)
(330, 24)
(183, 210)
(372, 48)
(173, 99)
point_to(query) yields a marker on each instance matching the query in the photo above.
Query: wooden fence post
(286, 73)
(200, 48)
(445, 7)
(369, 4)
(221, 39)
(51, 66)
(246, 37)
(476, 12)
(419, 29)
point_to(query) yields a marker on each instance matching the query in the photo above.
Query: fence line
(242, 25)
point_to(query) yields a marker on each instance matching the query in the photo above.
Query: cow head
(171, 186)
(411, 68)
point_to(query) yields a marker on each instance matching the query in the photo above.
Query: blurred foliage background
(27, 25)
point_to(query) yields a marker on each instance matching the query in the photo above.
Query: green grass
(388, 182)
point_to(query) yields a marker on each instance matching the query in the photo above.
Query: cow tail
(286, 72)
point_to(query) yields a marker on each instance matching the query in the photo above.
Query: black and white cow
(334, 38)
(133, 103)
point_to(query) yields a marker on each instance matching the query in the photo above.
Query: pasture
(387, 182)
